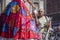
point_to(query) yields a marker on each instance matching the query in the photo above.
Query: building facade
(3, 4)
(53, 10)
(39, 4)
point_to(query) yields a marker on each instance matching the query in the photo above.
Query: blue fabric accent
(15, 30)
(5, 28)
(11, 4)
(33, 26)
(7, 12)
(22, 11)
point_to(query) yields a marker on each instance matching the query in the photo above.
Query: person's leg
(42, 35)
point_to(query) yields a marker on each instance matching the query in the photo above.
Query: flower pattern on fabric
(18, 22)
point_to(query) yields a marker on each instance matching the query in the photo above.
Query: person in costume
(17, 22)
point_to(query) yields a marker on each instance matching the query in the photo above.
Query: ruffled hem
(2, 38)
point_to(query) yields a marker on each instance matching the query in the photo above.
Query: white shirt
(43, 20)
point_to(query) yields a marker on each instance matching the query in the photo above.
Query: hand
(34, 6)
(47, 25)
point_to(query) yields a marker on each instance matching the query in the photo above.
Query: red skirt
(19, 25)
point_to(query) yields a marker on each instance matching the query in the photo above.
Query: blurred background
(50, 7)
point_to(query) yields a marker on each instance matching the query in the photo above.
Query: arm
(29, 1)
(36, 19)
(48, 23)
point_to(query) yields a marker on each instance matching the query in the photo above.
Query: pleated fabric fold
(19, 25)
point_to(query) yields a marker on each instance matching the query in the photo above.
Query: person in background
(43, 23)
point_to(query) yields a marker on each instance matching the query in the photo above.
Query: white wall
(42, 4)
(0, 8)
(7, 1)
(3, 4)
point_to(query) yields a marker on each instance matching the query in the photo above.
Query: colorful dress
(17, 23)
